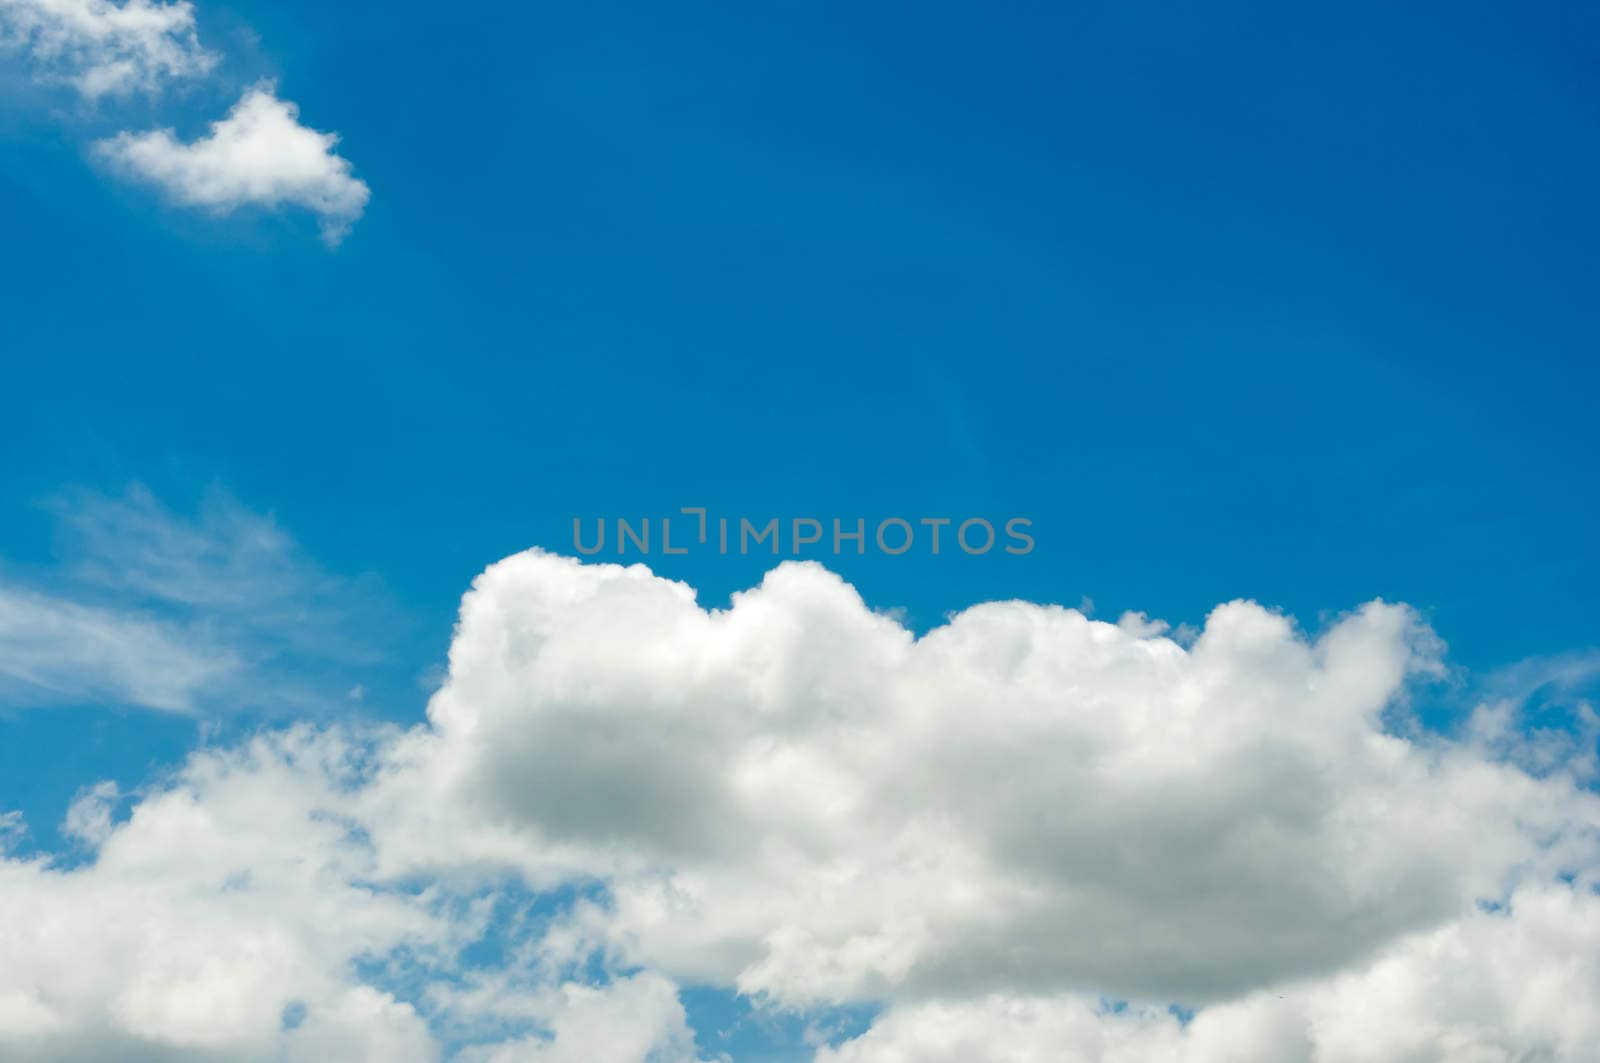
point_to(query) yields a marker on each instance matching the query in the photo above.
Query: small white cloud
(104, 48)
(259, 155)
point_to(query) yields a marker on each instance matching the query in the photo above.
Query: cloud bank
(796, 796)
(1022, 836)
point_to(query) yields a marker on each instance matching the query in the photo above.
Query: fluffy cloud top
(796, 796)
(988, 832)
(107, 48)
(259, 155)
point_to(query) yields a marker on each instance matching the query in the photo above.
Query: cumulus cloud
(633, 1018)
(1517, 984)
(239, 914)
(259, 155)
(1022, 836)
(796, 796)
(226, 898)
(107, 48)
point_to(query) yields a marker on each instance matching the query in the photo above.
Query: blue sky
(1232, 303)
(1248, 301)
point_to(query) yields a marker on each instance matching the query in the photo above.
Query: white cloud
(797, 797)
(239, 915)
(259, 155)
(225, 899)
(1487, 988)
(984, 830)
(630, 1020)
(105, 48)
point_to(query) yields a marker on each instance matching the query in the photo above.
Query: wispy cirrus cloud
(56, 649)
(206, 612)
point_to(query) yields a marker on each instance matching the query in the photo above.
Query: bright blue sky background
(1229, 299)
